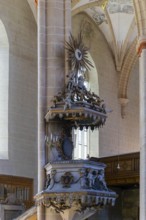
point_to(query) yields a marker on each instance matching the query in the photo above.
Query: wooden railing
(127, 173)
(18, 188)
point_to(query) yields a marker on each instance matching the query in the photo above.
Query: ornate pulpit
(75, 189)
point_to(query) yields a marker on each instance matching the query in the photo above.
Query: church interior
(72, 109)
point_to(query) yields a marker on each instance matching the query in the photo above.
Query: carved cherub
(102, 179)
(51, 181)
(48, 179)
(90, 178)
(67, 101)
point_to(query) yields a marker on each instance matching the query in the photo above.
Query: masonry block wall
(21, 29)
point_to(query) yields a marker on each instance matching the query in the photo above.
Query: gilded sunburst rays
(78, 54)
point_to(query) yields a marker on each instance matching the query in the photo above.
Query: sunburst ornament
(75, 106)
(78, 54)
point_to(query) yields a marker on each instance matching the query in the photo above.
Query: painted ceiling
(115, 18)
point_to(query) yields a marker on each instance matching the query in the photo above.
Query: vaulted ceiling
(118, 21)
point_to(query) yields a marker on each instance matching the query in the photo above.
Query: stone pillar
(40, 212)
(58, 26)
(42, 76)
(52, 214)
(67, 22)
(72, 214)
(53, 29)
(142, 75)
(42, 73)
(54, 24)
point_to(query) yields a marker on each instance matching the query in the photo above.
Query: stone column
(58, 15)
(142, 85)
(54, 24)
(58, 28)
(42, 74)
(52, 214)
(53, 29)
(67, 30)
(72, 214)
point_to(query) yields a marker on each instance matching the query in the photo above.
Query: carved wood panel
(128, 172)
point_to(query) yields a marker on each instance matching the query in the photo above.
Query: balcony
(77, 187)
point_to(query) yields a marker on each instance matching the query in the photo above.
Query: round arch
(4, 91)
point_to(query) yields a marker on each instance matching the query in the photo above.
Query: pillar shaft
(42, 61)
(143, 135)
(58, 14)
(41, 212)
(53, 29)
(67, 22)
(42, 75)
(52, 215)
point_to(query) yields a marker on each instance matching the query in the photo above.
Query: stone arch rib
(129, 61)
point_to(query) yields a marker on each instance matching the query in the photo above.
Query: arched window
(86, 142)
(4, 84)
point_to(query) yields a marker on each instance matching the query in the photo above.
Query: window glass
(86, 142)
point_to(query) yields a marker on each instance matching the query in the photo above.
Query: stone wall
(21, 29)
(118, 136)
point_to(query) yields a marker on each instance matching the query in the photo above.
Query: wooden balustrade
(126, 174)
(21, 188)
